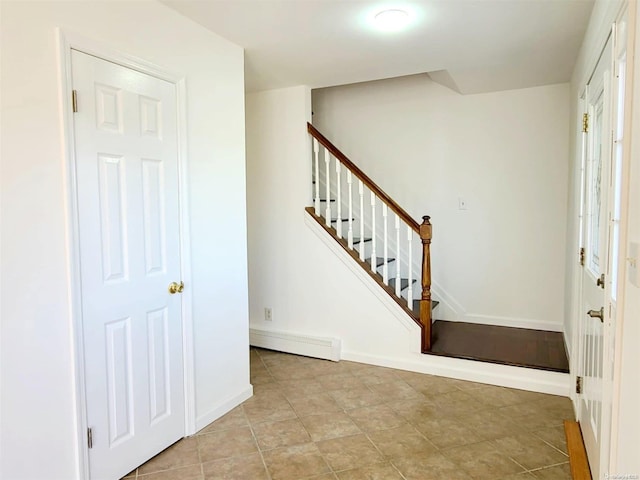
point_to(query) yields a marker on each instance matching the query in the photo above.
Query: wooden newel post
(425, 299)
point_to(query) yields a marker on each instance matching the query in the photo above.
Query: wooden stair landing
(520, 347)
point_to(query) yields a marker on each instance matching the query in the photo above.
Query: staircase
(376, 232)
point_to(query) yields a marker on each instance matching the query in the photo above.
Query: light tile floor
(320, 420)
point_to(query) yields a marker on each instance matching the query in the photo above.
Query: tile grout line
(255, 439)
(411, 424)
(547, 466)
(351, 372)
(344, 411)
(199, 457)
(551, 445)
(307, 431)
(140, 476)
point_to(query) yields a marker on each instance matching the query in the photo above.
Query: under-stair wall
(313, 292)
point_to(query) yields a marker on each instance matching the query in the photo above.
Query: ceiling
(471, 46)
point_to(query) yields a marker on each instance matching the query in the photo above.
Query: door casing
(615, 15)
(66, 42)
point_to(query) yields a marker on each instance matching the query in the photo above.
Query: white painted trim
(629, 128)
(72, 251)
(97, 49)
(307, 345)
(371, 284)
(614, 11)
(188, 348)
(222, 408)
(608, 420)
(68, 41)
(529, 323)
(530, 379)
(450, 309)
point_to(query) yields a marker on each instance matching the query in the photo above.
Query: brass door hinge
(74, 100)
(585, 122)
(90, 437)
(578, 385)
(581, 253)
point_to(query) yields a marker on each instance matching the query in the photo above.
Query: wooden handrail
(406, 218)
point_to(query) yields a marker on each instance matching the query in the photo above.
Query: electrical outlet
(268, 314)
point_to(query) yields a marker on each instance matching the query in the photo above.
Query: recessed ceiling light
(391, 20)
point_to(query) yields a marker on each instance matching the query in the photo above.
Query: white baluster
(410, 268)
(374, 259)
(316, 202)
(350, 233)
(385, 254)
(327, 213)
(397, 256)
(339, 200)
(361, 193)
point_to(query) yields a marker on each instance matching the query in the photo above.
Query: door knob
(597, 314)
(600, 281)
(175, 287)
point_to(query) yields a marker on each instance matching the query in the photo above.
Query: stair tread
(357, 240)
(379, 261)
(416, 306)
(404, 283)
(324, 199)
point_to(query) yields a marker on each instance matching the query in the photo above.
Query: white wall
(311, 290)
(38, 413)
(500, 261)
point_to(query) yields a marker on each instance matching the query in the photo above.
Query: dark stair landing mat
(520, 347)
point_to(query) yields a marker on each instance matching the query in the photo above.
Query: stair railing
(329, 181)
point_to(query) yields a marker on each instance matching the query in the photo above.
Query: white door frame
(629, 128)
(68, 41)
(609, 456)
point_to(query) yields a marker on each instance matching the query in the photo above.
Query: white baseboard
(222, 408)
(529, 323)
(451, 310)
(309, 346)
(554, 383)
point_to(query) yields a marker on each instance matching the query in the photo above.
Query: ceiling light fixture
(391, 20)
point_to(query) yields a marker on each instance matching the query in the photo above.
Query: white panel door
(604, 99)
(127, 181)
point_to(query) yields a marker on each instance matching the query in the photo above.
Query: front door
(603, 153)
(128, 208)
